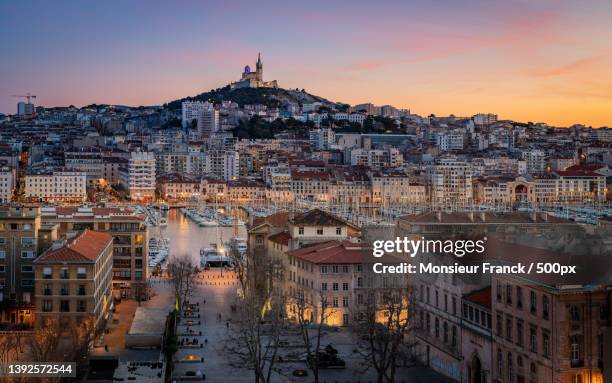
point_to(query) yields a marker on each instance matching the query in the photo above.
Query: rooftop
(85, 247)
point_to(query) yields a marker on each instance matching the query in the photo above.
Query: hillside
(266, 96)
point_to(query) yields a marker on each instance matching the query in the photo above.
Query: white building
(451, 182)
(450, 141)
(57, 186)
(535, 159)
(25, 109)
(484, 118)
(7, 184)
(321, 139)
(377, 158)
(191, 109)
(208, 121)
(224, 164)
(138, 176)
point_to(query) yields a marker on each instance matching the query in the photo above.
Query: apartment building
(22, 237)
(126, 226)
(74, 278)
(393, 188)
(7, 184)
(310, 184)
(58, 186)
(548, 328)
(535, 159)
(321, 139)
(451, 182)
(179, 186)
(138, 176)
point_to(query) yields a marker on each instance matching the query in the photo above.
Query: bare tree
(312, 333)
(81, 338)
(182, 273)
(384, 330)
(254, 338)
(44, 344)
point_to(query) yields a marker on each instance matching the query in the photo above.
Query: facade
(138, 176)
(130, 238)
(7, 184)
(22, 237)
(74, 278)
(208, 122)
(321, 139)
(451, 182)
(191, 110)
(224, 164)
(59, 186)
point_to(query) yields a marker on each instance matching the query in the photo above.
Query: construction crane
(28, 96)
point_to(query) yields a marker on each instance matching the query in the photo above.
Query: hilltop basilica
(254, 79)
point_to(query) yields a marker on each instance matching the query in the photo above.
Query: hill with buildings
(271, 97)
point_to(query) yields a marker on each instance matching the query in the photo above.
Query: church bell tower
(259, 68)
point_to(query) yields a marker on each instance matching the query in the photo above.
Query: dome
(247, 69)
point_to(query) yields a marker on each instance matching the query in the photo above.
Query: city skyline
(527, 62)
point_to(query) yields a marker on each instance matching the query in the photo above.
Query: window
(335, 286)
(81, 290)
(335, 301)
(320, 231)
(454, 339)
(324, 286)
(338, 231)
(437, 327)
(2, 241)
(26, 268)
(27, 254)
(335, 269)
(47, 273)
(360, 299)
(47, 306)
(519, 333)
(64, 306)
(509, 294)
(301, 231)
(359, 282)
(574, 350)
(64, 273)
(2, 268)
(545, 306)
(546, 345)
(345, 301)
(574, 313)
(81, 273)
(500, 363)
(345, 286)
(519, 297)
(323, 269)
(498, 291)
(27, 241)
(445, 332)
(2, 254)
(345, 268)
(533, 302)
(437, 298)
(64, 289)
(509, 329)
(510, 369)
(499, 325)
(81, 306)
(533, 342)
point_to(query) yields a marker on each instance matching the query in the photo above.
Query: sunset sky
(531, 60)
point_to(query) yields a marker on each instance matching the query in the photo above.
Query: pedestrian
(205, 341)
(227, 324)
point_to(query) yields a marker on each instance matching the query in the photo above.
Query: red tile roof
(276, 219)
(333, 252)
(481, 297)
(86, 247)
(282, 238)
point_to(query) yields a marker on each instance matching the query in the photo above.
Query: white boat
(163, 221)
(213, 257)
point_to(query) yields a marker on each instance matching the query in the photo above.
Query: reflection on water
(186, 237)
